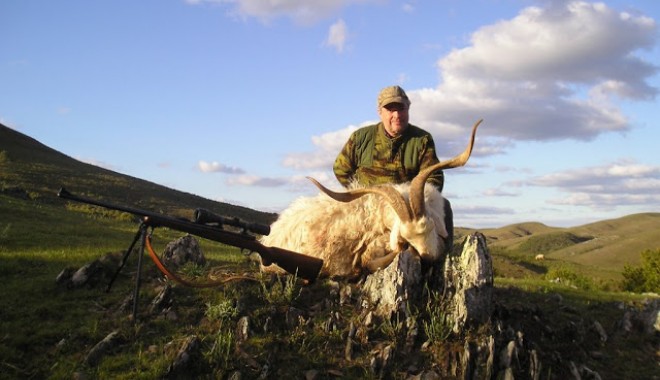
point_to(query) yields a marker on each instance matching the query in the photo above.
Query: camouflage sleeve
(344, 167)
(437, 178)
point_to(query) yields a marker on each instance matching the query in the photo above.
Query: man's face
(394, 117)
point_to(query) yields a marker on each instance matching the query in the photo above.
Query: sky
(239, 100)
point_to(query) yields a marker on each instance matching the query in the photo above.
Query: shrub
(571, 278)
(646, 277)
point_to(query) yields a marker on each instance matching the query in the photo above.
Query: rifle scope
(204, 216)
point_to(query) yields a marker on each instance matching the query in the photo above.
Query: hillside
(53, 325)
(32, 169)
(606, 245)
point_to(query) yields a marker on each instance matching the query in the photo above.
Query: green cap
(392, 94)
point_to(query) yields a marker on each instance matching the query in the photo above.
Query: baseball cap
(392, 94)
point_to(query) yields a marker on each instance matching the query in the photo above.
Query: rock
(650, 317)
(601, 331)
(534, 365)
(389, 290)
(162, 300)
(101, 348)
(345, 295)
(183, 250)
(412, 330)
(243, 329)
(90, 273)
(64, 277)
(381, 360)
(469, 283)
(186, 356)
(83, 275)
(312, 374)
(507, 355)
(425, 375)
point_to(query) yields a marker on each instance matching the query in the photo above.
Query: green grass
(46, 329)
(43, 326)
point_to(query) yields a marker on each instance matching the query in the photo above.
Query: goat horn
(393, 197)
(417, 184)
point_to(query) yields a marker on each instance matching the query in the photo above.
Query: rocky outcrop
(183, 250)
(467, 285)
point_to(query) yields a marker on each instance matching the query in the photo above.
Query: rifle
(209, 226)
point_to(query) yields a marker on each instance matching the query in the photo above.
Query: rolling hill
(33, 170)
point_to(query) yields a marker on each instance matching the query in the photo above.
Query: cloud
(294, 184)
(497, 192)
(615, 184)
(328, 146)
(216, 167)
(408, 7)
(337, 36)
(300, 11)
(95, 162)
(530, 82)
(64, 110)
(482, 210)
(252, 180)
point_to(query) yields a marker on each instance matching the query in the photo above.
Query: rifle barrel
(307, 267)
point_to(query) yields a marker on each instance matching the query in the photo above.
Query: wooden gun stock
(303, 266)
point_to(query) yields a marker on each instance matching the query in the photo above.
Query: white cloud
(408, 7)
(328, 146)
(300, 11)
(615, 184)
(216, 167)
(530, 82)
(252, 180)
(337, 36)
(497, 192)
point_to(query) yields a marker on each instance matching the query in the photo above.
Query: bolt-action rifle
(210, 226)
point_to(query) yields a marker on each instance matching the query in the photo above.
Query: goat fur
(348, 236)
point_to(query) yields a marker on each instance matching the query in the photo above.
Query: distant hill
(31, 169)
(607, 245)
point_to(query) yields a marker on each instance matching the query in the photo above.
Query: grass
(46, 329)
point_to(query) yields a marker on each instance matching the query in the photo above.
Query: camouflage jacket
(371, 157)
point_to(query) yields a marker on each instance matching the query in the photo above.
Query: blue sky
(239, 100)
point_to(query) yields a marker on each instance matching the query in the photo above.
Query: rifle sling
(182, 281)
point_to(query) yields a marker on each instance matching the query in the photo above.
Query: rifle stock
(306, 267)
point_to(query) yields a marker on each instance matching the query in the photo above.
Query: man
(392, 151)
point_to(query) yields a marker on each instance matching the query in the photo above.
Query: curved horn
(417, 184)
(393, 197)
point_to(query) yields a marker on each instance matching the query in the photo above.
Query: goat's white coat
(347, 236)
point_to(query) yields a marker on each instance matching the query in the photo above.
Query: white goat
(357, 230)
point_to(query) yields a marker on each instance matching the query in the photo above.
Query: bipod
(141, 235)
